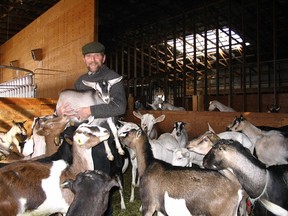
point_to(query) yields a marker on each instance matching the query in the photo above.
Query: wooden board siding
(60, 32)
(20, 109)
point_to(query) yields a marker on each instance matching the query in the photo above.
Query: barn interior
(186, 52)
(189, 53)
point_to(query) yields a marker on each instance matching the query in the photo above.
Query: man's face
(94, 61)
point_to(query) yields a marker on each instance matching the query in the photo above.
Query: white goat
(147, 123)
(99, 94)
(271, 146)
(163, 147)
(157, 103)
(185, 158)
(216, 105)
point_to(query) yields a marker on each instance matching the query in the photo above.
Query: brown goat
(51, 128)
(201, 192)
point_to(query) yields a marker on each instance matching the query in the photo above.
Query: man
(94, 58)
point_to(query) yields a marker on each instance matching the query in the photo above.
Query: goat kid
(91, 193)
(42, 194)
(99, 94)
(180, 133)
(10, 137)
(266, 185)
(196, 187)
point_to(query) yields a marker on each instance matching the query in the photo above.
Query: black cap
(93, 47)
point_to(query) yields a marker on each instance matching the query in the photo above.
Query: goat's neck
(251, 175)
(222, 107)
(51, 147)
(251, 130)
(144, 155)
(10, 134)
(82, 159)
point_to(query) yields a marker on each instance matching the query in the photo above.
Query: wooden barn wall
(26, 109)
(197, 122)
(60, 32)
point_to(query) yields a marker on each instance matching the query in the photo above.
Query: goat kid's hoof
(110, 157)
(121, 152)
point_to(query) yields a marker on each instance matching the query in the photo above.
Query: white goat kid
(99, 94)
(9, 137)
(214, 104)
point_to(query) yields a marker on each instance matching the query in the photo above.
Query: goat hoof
(121, 152)
(110, 157)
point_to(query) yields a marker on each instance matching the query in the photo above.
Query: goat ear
(89, 84)
(114, 81)
(137, 114)
(160, 118)
(210, 128)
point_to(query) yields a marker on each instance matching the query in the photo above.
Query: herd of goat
(213, 174)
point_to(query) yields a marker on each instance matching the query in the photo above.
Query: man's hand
(83, 113)
(66, 110)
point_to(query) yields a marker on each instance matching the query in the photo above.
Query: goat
(216, 105)
(91, 193)
(9, 137)
(201, 190)
(271, 146)
(180, 133)
(183, 157)
(99, 94)
(48, 128)
(163, 147)
(41, 194)
(156, 104)
(267, 185)
(171, 107)
(204, 143)
(147, 123)
(273, 109)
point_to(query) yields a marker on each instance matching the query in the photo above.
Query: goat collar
(264, 190)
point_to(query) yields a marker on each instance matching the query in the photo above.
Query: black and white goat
(91, 193)
(99, 94)
(164, 187)
(269, 185)
(180, 133)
